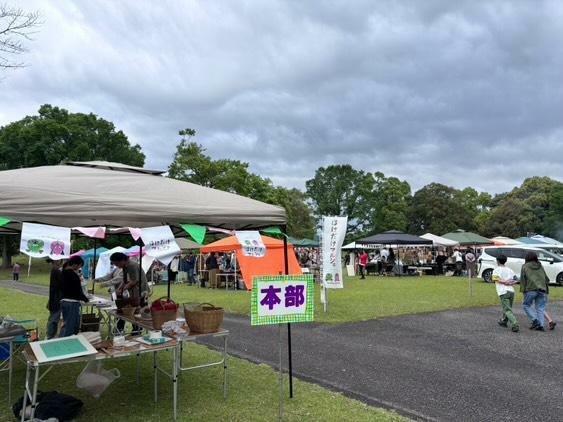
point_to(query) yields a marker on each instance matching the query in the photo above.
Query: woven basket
(204, 318)
(128, 311)
(160, 317)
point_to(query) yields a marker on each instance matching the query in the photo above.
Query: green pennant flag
(4, 221)
(195, 231)
(273, 230)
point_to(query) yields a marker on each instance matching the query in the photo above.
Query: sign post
(334, 231)
(284, 299)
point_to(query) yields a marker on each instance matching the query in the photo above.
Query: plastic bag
(95, 379)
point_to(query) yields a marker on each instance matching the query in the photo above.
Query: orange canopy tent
(270, 264)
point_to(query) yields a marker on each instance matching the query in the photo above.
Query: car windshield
(548, 256)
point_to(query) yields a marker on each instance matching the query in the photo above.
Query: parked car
(557, 250)
(552, 263)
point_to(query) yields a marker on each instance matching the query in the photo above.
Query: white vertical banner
(41, 240)
(160, 243)
(334, 231)
(251, 243)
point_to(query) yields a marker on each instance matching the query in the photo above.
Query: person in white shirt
(504, 278)
(458, 262)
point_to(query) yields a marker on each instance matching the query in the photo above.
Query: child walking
(504, 279)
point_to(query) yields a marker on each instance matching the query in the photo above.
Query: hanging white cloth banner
(160, 243)
(40, 241)
(334, 231)
(251, 243)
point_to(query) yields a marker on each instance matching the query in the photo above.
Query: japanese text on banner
(282, 299)
(334, 231)
(251, 243)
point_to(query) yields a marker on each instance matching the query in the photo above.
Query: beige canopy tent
(113, 195)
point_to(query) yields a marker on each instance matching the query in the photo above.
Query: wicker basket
(128, 311)
(204, 318)
(160, 317)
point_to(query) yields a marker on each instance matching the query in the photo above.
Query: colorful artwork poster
(282, 299)
(41, 241)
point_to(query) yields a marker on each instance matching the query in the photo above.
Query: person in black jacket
(55, 296)
(72, 295)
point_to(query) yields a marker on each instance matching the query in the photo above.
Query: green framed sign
(282, 299)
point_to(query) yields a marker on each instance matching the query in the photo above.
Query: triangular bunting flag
(195, 231)
(4, 221)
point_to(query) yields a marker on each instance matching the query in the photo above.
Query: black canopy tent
(394, 238)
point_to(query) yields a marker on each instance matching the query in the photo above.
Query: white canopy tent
(113, 195)
(439, 241)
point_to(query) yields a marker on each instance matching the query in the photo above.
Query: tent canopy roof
(394, 237)
(305, 243)
(439, 241)
(78, 195)
(113, 166)
(467, 238)
(503, 240)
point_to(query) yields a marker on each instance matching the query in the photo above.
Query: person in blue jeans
(534, 285)
(72, 295)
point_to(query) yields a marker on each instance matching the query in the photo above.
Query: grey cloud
(463, 93)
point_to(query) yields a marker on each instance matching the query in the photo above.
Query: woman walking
(534, 285)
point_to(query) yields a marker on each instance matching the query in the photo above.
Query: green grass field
(253, 391)
(375, 297)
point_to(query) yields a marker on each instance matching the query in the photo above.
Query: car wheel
(488, 276)
(559, 279)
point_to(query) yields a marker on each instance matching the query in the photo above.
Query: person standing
(458, 262)
(504, 279)
(212, 266)
(534, 285)
(364, 258)
(55, 296)
(16, 269)
(190, 267)
(471, 263)
(71, 296)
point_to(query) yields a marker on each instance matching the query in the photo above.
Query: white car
(552, 263)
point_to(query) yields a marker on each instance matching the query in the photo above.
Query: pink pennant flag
(135, 232)
(218, 230)
(96, 232)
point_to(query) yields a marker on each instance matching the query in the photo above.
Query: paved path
(446, 366)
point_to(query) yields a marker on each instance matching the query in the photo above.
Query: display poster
(41, 240)
(160, 243)
(334, 231)
(251, 243)
(282, 299)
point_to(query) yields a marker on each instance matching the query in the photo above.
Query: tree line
(373, 202)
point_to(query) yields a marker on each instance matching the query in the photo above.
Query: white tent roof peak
(439, 240)
(107, 165)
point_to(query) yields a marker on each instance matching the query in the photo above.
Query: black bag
(52, 405)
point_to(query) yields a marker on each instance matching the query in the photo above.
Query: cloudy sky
(467, 93)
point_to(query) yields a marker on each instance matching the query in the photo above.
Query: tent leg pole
(290, 366)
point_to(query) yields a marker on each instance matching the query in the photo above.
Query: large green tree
(437, 209)
(391, 204)
(55, 135)
(532, 207)
(341, 190)
(191, 164)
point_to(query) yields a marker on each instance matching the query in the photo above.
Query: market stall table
(33, 364)
(147, 325)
